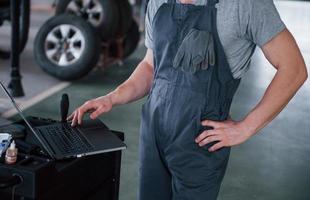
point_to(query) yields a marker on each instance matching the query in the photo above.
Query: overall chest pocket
(196, 52)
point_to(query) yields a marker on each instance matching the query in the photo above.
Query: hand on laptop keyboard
(96, 107)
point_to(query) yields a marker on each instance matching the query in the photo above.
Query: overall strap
(212, 3)
(171, 1)
(211, 14)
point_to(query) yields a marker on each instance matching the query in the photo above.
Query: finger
(74, 120)
(91, 110)
(217, 146)
(71, 116)
(98, 112)
(210, 139)
(205, 134)
(80, 116)
(213, 124)
(81, 111)
(89, 106)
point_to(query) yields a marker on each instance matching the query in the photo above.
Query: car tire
(102, 14)
(67, 47)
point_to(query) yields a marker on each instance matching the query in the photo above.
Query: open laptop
(61, 141)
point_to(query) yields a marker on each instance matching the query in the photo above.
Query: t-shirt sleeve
(148, 27)
(262, 21)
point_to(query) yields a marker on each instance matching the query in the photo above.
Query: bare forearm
(283, 87)
(136, 87)
(284, 54)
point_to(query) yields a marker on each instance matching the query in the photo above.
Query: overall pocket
(196, 51)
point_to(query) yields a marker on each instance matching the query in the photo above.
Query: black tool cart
(36, 177)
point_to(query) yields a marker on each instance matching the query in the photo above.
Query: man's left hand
(227, 133)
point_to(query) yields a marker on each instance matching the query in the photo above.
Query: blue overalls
(192, 82)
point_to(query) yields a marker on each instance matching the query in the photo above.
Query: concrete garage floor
(274, 165)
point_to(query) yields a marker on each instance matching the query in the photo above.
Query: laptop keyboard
(67, 139)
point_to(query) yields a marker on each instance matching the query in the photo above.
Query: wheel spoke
(51, 53)
(94, 17)
(76, 37)
(95, 13)
(86, 3)
(74, 6)
(64, 29)
(63, 60)
(76, 52)
(52, 38)
(93, 21)
(79, 3)
(96, 9)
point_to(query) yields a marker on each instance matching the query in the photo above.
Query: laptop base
(90, 178)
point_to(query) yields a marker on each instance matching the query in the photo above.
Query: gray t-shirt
(242, 24)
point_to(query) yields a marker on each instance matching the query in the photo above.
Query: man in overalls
(197, 54)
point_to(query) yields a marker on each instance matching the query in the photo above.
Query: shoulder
(153, 7)
(250, 6)
(245, 5)
(247, 12)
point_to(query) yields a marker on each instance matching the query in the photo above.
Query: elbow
(302, 74)
(306, 74)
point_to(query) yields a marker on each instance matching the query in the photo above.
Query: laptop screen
(24, 118)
